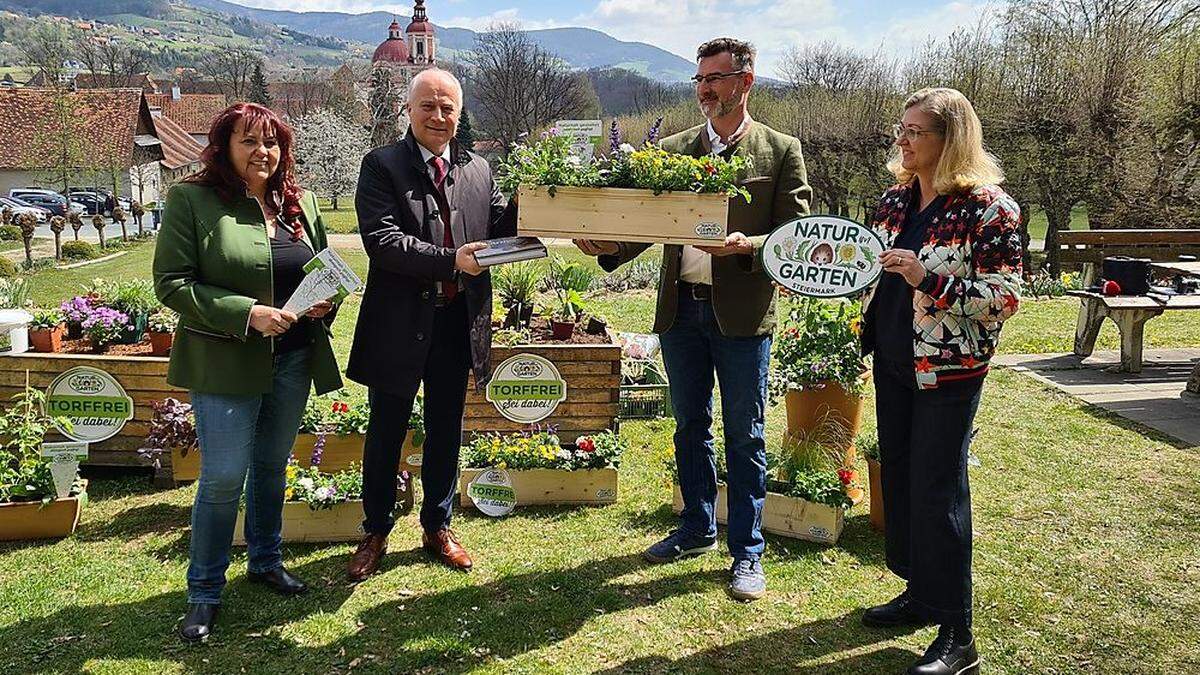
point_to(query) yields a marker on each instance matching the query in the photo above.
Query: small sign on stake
(64, 464)
(493, 493)
(584, 135)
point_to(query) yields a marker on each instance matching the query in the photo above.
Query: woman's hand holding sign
(905, 263)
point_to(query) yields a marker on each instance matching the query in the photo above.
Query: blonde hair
(965, 164)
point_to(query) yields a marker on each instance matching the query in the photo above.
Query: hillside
(581, 48)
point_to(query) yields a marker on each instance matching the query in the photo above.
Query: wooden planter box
(552, 486)
(619, 214)
(786, 516)
(143, 377)
(875, 471)
(301, 524)
(31, 520)
(185, 468)
(340, 452)
(593, 377)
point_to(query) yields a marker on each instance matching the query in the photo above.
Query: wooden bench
(1129, 312)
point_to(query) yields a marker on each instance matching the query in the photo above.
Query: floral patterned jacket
(972, 258)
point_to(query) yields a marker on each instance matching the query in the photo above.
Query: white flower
(323, 493)
(574, 160)
(625, 148)
(305, 483)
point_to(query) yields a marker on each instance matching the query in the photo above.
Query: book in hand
(510, 250)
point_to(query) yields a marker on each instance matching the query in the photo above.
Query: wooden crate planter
(340, 452)
(552, 486)
(144, 379)
(302, 524)
(593, 377)
(31, 520)
(786, 516)
(621, 214)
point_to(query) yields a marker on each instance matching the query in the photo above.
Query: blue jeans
(240, 434)
(693, 348)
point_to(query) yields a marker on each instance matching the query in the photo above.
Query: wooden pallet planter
(621, 214)
(340, 452)
(552, 486)
(785, 516)
(301, 524)
(30, 520)
(144, 379)
(593, 377)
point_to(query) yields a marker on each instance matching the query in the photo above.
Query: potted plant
(568, 281)
(868, 444)
(30, 507)
(173, 429)
(76, 311)
(46, 330)
(817, 366)
(104, 326)
(320, 505)
(516, 286)
(542, 470)
(646, 195)
(135, 299)
(161, 326)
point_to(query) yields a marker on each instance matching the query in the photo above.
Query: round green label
(93, 400)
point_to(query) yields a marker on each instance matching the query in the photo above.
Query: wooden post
(1087, 327)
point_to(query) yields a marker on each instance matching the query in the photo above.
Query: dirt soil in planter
(84, 346)
(540, 331)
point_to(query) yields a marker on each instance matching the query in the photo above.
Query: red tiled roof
(105, 122)
(193, 112)
(141, 81)
(179, 148)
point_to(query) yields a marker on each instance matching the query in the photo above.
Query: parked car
(20, 206)
(95, 200)
(55, 204)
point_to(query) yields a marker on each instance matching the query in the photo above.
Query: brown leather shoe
(365, 560)
(444, 546)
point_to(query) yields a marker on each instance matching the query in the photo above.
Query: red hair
(283, 194)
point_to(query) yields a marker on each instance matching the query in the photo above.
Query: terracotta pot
(875, 469)
(46, 340)
(807, 409)
(160, 343)
(562, 330)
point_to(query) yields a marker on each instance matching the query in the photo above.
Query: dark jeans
(693, 348)
(240, 435)
(445, 380)
(923, 441)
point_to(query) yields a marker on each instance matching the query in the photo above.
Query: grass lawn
(1038, 225)
(1085, 561)
(342, 221)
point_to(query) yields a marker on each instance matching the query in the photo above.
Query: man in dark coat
(425, 205)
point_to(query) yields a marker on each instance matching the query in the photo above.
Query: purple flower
(318, 450)
(106, 317)
(614, 137)
(76, 309)
(652, 137)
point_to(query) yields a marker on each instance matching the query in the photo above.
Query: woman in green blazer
(233, 242)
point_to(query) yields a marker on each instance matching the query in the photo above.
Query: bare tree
(231, 69)
(112, 65)
(520, 87)
(384, 102)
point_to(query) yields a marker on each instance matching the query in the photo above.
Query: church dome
(393, 49)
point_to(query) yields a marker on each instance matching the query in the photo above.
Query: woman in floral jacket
(951, 277)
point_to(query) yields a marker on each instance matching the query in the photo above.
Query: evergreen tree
(258, 87)
(465, 136)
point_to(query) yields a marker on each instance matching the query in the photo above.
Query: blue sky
(897, 27)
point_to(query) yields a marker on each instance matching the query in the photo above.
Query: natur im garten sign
(93, 400)
(823, 256)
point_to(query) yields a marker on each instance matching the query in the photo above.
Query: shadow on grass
(137, 522)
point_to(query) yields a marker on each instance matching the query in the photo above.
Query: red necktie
(449, 288)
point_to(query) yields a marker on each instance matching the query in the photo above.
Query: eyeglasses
(713, 78)
(900, 131)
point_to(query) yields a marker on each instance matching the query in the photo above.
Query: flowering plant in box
(76, 309)
(541, 449)
(326, 415)
(104, 325)
(321, 490)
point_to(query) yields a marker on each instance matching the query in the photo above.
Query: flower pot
(74, 330)
(561, 330)
(134, 331)
(160, 343)
(31, 520)
(875, 469)
(596, 326)
(825, 403)
(518, 315)
(46, 339)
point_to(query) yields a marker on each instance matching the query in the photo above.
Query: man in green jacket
(716, 312)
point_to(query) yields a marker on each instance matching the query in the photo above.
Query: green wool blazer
(743, 296)
(212, 263)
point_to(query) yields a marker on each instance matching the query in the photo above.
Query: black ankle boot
(279, 580)
(901, 611)
(952, 653)
(198, 622)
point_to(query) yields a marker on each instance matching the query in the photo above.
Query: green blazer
(743, 296)
(212, 263)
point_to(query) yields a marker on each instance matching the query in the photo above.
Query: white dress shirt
(696, 266)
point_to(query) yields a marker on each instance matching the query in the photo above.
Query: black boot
(279, 580)
(952, 653)
(901, 611)
(198, 622)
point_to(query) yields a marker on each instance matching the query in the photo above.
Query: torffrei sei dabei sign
(93, 400)
(823, 256)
